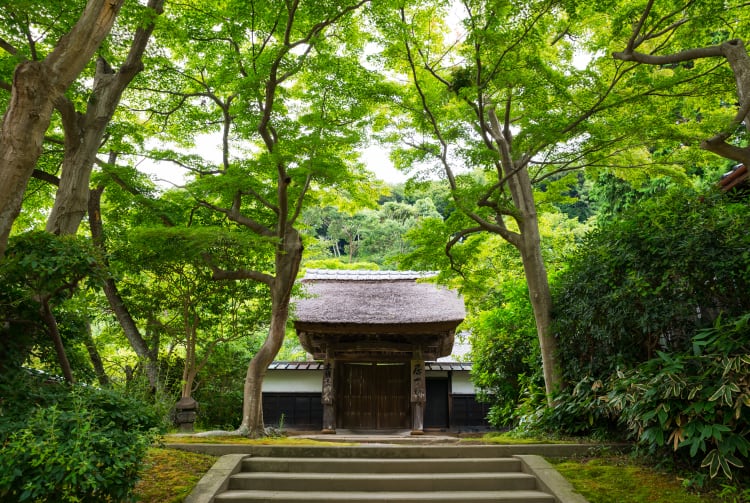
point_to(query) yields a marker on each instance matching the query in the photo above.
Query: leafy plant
(71, 444)
(40, 271)
(697, 403)
(505, 353)
(648, 280)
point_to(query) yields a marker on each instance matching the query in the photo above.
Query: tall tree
(147, 354)
(281, 85)
(499, 106)
(175, 295)
(37, 85)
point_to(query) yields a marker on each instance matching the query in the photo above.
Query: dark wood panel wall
(304, 411)
(372, 396)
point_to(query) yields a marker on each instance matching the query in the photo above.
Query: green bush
(641, 339)
(67, 444)
(506, 361)
(648, 280)
(696, 404)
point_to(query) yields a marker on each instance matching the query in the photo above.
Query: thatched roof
(375, 297)
(377, 313)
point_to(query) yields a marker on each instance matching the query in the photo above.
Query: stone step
(391, 482)
(380, 473)
(380, 465)
(255, 496)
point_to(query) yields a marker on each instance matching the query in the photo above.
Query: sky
(376, 159)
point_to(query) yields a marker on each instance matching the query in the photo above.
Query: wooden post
(328, 396)
(418, 395)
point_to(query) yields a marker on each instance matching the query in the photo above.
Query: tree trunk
(49, 319)
(115, 300)
(530, 248)
(96, 359)
(189, 369)
(37, 85)
(84, 132)
(541, 304)
(252, 407)
(288, 258)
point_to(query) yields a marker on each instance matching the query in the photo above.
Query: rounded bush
(85, 447)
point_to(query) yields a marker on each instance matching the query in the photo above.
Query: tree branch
(678, 57)
(457, 239)
(235, 216)
(8, 47)
(300, 199)
(220, 274)
(46, 177)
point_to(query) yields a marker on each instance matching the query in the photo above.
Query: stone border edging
(216, 479)
(550, 479)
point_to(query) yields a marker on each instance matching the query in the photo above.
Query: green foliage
(70, 444)
(42, 267)
(46, 265)
(646, 281)
(489, 274)
(377, 236)
(640, 315)
(337, 263)
(697, 402)
(219, 396)
(505, 353)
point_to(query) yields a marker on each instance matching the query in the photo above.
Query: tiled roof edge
(318, 365)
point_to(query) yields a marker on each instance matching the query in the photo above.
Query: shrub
(505, 354)
(72, 444)
(649, 280)
(697, 403)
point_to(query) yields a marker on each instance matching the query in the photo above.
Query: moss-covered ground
(236, 439)
(169, 475)
(621, 479)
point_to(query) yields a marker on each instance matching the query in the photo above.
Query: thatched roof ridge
(376, 298)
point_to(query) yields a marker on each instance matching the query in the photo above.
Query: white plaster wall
(311, 381)
(462, 384)
(290, 381)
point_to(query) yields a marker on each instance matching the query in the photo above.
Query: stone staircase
(395, 474)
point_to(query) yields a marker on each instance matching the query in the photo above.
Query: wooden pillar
(328, 396)
(418, 395)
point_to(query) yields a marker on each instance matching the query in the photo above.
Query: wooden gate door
(372, 396)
